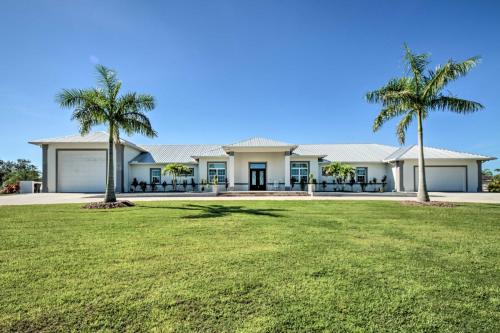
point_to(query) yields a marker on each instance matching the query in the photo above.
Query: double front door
(257, 176)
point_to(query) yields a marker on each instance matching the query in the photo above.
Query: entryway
(257, 176)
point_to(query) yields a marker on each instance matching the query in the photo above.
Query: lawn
(251, 266)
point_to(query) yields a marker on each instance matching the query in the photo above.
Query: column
(119, 186)
(45, 170)
(231, 171)
(287, 170)
(480, 176)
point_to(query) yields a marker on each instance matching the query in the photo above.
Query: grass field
(251, 266)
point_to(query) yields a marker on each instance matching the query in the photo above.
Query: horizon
(225, 71)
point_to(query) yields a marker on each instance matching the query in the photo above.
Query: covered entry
(257, 176)
(444, 178)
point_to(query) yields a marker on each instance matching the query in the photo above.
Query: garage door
(444, 178)
(81, 170)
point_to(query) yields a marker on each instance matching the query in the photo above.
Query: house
(79, 164)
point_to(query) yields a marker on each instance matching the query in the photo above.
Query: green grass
(251, 266)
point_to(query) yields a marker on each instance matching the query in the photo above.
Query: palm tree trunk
(110, 195)
(422, 195)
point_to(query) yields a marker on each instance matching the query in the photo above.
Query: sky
(222, 71)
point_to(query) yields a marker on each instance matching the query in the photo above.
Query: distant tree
(103, 106)
(418, 93)
(12, 172)
(487, 173)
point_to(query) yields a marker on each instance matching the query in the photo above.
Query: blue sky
(222, 71)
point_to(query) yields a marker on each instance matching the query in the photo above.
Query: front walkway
(58, 198)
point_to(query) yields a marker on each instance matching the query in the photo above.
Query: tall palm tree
(416, 94)
(103, 106)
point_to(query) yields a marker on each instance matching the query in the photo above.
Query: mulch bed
(430, 203)
(109, 205)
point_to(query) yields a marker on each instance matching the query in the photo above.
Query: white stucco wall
(129, 154)
(472, 172)
(275, 169)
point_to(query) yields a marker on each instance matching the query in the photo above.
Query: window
(217, 169)
(188, 174)
(299, 171)
(361, 175)
(257, 165)
(155, 176)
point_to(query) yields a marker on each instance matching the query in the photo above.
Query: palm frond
(436, 80)
(455, 104)
(403, 126)
(106, 77)
(386, 114)
(396, 91)
(416, 63)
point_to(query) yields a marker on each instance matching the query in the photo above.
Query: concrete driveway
(60, 198)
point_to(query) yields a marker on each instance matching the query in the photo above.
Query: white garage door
(444, 178)
(81, 170)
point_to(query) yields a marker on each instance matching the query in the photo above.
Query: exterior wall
(375, 170)
(472, 170)
(275, 168)
(129, 154)
(142, 173)
(51, 159)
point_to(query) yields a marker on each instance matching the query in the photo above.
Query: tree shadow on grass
(211, 211)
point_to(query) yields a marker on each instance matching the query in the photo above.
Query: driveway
(60, 198)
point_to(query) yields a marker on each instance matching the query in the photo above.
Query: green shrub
(494, 186)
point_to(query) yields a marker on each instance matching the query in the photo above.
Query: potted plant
(293, 180)
(193, 184)
(143, 185)
(164, 184)
(203, 183)
(215, 184)
(384, 181)
(134, 184)
(311, 186)
(323, 185)
(302, 184)
(153, 187)
(184, 184)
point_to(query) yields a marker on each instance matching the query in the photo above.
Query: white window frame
(365, 175)
(300, 169)
(152, 177)
(221, 177)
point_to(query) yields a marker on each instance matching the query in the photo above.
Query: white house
(78, 164)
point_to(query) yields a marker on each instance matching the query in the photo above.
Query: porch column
(231, 171)
(45, 168)
(480, 176)
(287, 170)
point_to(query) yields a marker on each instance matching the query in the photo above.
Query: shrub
(10, 188)
(494, 186)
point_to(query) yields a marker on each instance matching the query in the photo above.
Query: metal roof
(260, 142)
(172, 153)
(93, 137)
(431, 153)
(350, 152)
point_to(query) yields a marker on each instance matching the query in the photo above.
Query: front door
(257, 176)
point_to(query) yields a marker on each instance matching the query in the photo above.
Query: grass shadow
(211, 211)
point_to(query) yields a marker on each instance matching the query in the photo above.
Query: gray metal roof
(172, 153)
(260, 142)
(431, 153)
(350, 152)
(93, 137)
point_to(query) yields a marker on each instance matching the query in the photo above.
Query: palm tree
(413, 96)
(333, 169)
(176, 170)
(103, 106)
